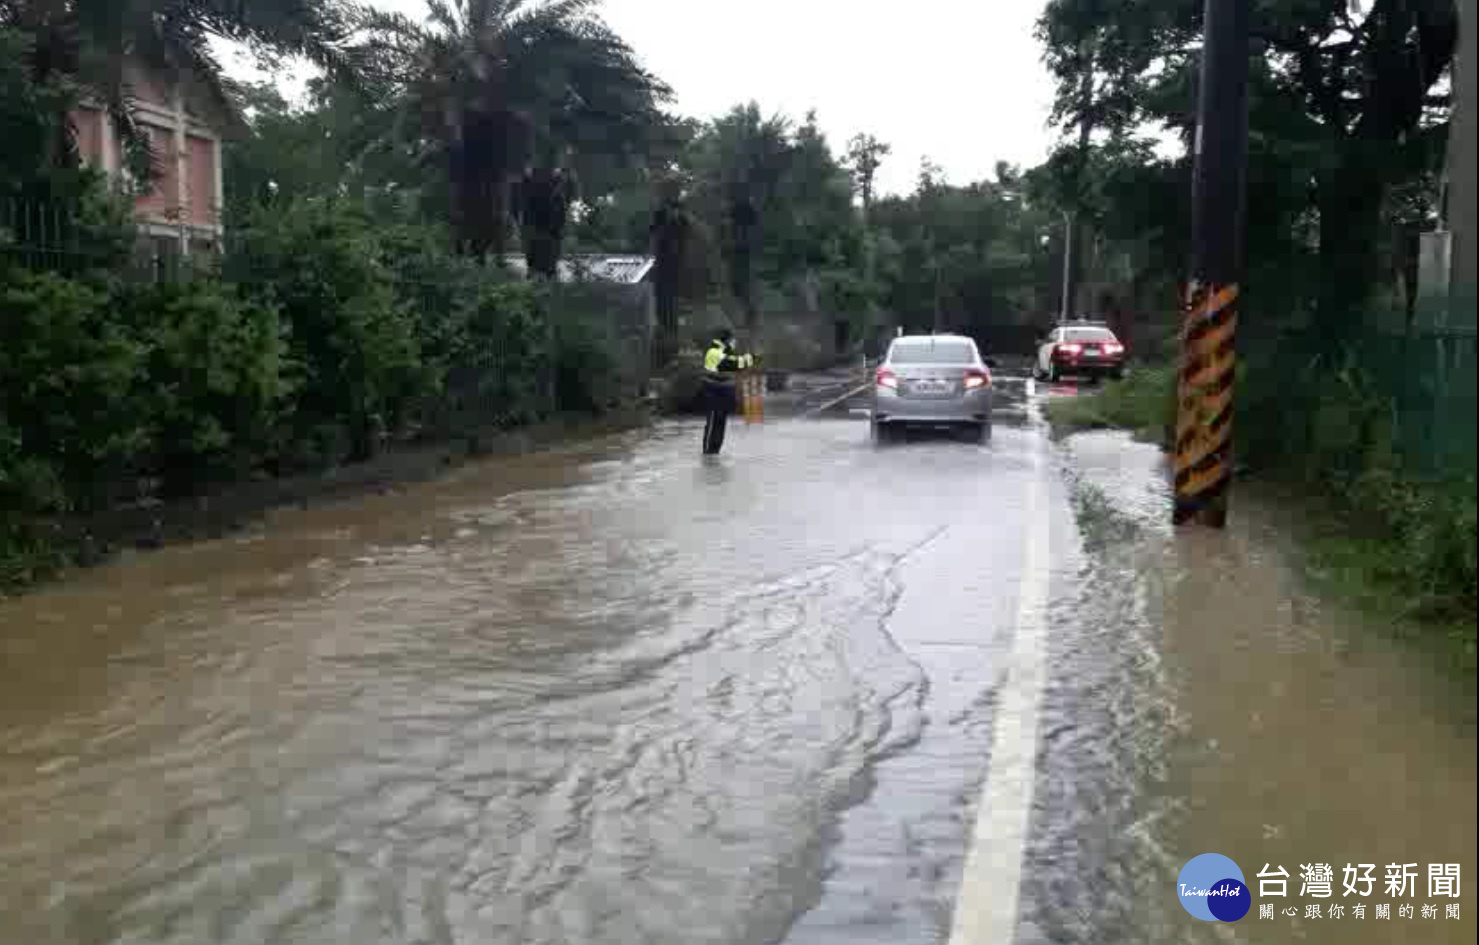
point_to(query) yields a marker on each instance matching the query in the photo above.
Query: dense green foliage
(116, 390)
(764, 217)
(1343, 390)
(362, 295)
(1348, 113)
(340, 315)
(209, 386)
(491, 91)
(67, 371)
(1144, 403)
(352, 351)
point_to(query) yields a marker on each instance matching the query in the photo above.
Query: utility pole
(1203, 458)
(1073, 231)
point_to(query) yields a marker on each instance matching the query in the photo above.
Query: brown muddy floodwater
(1270, 727)
(615, 694)
(606, 694)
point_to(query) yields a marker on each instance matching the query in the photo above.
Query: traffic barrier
(752, 396)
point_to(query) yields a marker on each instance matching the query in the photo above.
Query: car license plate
(929, 387)
(1091, 353)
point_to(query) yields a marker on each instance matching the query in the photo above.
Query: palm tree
(542, 210)
(89, 42)
(673, 234)
(744, 159)
(499, 91)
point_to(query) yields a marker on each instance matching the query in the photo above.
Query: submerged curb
(97, 539)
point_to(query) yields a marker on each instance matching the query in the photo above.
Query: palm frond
(566, 14)
(444, 16)
(483, 12)
(138, 153)
(386, 25)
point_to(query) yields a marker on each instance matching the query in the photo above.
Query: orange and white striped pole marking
(1204, 398)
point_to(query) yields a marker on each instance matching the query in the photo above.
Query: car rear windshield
(933, 352)
(1090, 334)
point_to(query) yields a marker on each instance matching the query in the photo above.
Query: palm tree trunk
(669, 233)
(544, 209)
(478, 190)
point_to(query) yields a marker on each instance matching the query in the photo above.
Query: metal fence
(62, 238)
(1430, 378)
(1412, 392)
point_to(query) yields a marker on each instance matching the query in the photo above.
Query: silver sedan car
(932, 380)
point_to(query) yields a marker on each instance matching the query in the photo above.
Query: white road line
(834, 402)
(986, 906)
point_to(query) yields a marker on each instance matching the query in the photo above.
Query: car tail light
(1071, 348)
(975, 379)
(887, 378)
(1113, 347)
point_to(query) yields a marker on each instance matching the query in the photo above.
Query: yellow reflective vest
(720, 360)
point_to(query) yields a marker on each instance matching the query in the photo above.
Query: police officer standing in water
(721, 362)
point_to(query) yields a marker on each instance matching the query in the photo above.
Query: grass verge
(1397, 548)
(1403, 552)
(1144, 403)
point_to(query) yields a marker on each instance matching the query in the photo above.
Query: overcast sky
(958, 80)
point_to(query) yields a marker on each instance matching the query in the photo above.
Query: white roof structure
(624, 270)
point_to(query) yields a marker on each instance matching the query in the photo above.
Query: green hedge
(321, 335)
(353, 357)
(70, 373)
(105, 381)
(213, 386)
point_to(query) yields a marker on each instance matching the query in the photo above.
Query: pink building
(181, 212)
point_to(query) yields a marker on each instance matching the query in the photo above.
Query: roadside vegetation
(1348, 392)
(1398, 542)
(363, 297)
(1144, 403)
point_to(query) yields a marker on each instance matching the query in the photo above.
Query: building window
(160, 198)
(204, 201)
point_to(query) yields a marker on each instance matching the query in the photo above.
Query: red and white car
(1080, 349)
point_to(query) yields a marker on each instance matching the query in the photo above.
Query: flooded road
(1250, 718)
(616, 694)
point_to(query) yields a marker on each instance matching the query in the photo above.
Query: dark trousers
(719, 401)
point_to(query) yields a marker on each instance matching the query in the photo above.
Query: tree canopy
(495, 92)
(496, 118)
(1346, 112)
